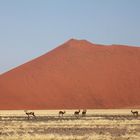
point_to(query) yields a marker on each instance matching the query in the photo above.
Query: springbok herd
(76, 113)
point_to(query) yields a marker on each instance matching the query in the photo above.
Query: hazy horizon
(32, 28)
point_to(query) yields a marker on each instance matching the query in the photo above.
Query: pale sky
(30, 28)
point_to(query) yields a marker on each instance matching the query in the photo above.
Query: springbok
(29, 114)
(61, 113)
(84, 112)
(76, 113)
(135, 113)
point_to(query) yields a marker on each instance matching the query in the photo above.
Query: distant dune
(77, 74)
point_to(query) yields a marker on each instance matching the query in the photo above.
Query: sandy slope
(77, 74)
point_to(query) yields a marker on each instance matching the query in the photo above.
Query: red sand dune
(77, 74)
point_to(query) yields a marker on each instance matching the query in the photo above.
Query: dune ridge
(76, 74)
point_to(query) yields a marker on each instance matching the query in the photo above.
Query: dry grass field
(96, 125)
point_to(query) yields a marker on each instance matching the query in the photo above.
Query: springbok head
(25, 111)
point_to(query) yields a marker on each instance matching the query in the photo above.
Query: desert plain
(100, 124)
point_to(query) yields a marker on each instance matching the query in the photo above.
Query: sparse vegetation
(96, 125)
